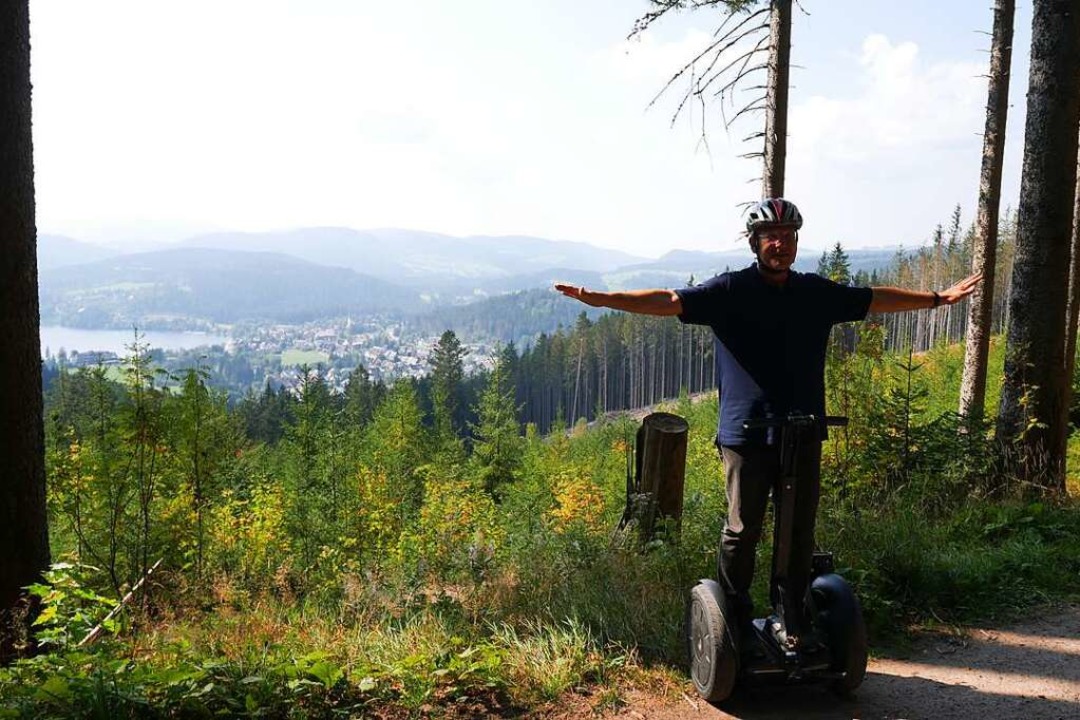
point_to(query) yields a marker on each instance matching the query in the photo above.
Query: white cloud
(462, 118)
(889, 153)
(644, 58)
(896, 105)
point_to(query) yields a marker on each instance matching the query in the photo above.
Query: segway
(824, 643)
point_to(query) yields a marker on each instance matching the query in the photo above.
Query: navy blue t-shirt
(770, 342)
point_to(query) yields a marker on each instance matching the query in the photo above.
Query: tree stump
(656, 489)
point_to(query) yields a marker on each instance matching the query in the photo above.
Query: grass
(1072, 465)
(284, 660)
(304, 357)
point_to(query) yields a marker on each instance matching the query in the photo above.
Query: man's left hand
(960, 290)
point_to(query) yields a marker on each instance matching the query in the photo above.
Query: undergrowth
(481, 602)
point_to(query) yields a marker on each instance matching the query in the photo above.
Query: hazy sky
(157, 119)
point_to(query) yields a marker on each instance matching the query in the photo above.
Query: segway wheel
(840, 616)
(713, 659)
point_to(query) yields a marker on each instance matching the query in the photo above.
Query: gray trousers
(752, 473)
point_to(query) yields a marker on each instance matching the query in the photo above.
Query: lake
(55, 337)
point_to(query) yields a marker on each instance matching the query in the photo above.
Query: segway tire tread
(843, 622)
(855, 657)
(713, 658)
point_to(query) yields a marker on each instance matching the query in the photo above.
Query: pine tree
(396, 445)
(362, 396)
(447, 372)
(837, 265)
(313, 490)
(498, 444)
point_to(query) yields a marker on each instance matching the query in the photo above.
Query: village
(386, 350)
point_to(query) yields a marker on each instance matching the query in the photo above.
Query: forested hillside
(170, 287)
(392, 547)
(333, 273)
(335, 516)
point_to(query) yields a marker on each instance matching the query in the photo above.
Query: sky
(156, 120)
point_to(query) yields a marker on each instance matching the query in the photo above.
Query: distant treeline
(619, 362)
(516, 317)
(622, 361)
(594, 363)
(946, 259)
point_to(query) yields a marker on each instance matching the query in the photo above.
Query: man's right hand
(578, 292)
(644, 302)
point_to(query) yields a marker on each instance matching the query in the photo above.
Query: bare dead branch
(642, 23)
(723, 113)
(719, 47)
(739, 23)
(753, 107)
(731, 85)
(710, 75)
(687, 96)
(743, 72)
(704, 139)
(96, 632)
(720, 73)
(748, 18)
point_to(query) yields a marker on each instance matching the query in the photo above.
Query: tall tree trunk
(776, 98)
(977, 348)
(1073, 307)
(1034, 396)
(23, 525)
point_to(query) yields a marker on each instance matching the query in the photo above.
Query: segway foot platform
(768, 659)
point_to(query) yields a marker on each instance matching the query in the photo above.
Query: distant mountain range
(57, 251)
(428, 261)
(314, 273)
(169, 287)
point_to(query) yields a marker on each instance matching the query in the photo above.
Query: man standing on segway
(772, 327)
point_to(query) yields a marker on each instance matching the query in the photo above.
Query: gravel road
(1028, 670)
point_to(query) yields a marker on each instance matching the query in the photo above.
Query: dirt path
(1029, 670)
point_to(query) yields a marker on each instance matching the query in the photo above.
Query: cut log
(656, 491)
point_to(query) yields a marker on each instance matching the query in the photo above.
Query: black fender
(838, 614)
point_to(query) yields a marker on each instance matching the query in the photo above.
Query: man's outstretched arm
(643, 302)
(893, 299)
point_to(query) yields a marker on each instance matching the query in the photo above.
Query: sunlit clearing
(985, 680)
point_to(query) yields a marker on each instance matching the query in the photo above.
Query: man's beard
(764, 267)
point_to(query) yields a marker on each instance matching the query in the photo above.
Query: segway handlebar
(794, 419)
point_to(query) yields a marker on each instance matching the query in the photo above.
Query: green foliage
(362, 396)
(979, 561)
(69, 609)
(456, 534)
(447, 373)
(356, 564)
(497, 443)
(396, 445)
(835, 265)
